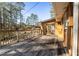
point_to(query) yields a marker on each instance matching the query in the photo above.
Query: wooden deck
(36, 46)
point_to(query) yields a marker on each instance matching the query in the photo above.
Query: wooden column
(78, 32)
(75, 29)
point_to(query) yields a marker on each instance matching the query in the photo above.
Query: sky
(42, 9)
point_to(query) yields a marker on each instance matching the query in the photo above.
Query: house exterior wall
(59, 31)
(64, 26)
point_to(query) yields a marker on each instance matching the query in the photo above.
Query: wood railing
(17, 36)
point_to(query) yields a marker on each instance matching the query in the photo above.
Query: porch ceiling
(59, 9)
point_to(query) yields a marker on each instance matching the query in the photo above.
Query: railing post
(17, 36)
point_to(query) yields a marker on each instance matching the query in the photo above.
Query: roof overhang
(48, 21)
